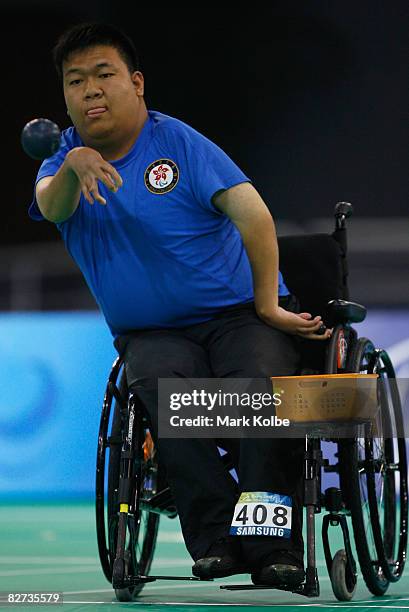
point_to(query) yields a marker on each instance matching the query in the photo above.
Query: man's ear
(139, 82)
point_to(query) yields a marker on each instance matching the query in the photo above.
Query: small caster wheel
(124, 594)
(343, 581)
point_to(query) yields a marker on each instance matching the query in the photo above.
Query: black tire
(372, 470)
(142, 528)
(388, 481)
(342, 585)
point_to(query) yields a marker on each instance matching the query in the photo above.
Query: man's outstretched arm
(58, 196)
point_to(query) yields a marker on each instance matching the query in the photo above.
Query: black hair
(85, 35)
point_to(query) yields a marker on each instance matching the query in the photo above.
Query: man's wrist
(266, 309)
(265, 297)
(69, 157)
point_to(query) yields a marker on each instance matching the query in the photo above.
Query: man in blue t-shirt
(180, 253)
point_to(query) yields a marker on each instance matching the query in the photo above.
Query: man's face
(103, 99)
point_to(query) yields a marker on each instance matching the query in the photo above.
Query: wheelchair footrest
(160, 503)
(131, 581)
(191, 578)
(302, 589)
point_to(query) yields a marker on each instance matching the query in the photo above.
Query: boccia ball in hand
(40, 138)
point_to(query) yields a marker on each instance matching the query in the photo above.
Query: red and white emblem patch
(161, 176)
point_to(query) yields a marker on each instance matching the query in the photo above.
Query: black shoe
(284, 569)
(222, 559)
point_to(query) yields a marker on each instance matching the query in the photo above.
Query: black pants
(235, 344)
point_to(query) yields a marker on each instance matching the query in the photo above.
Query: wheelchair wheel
(342, 584)
(373, 475)
(142, 526)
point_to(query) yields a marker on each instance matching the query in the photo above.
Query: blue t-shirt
(160, 254)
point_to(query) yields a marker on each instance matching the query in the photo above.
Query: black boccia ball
(40, 138)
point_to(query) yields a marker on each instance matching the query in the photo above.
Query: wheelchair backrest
(314, 269)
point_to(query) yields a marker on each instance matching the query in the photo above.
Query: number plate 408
(261, 518)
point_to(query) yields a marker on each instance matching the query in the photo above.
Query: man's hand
(299, 324)
(89, 167)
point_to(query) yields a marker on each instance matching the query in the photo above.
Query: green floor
(53, 548)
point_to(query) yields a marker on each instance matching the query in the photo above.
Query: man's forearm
(59, 198)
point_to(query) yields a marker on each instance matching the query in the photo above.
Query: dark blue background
(310, 98)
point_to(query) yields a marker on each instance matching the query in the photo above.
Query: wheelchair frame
(117, 552)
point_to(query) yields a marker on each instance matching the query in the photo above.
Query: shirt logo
(161, 176)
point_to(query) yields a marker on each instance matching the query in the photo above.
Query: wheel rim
(102, 536)
(363, 448)
(382, 474)
(387, 481)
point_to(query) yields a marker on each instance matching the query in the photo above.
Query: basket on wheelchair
(372, 468)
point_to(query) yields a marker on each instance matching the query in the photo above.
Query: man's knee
(145, 374)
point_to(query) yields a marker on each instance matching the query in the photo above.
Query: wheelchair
(372, 470)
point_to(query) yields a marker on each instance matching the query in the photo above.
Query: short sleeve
(50, 167)
(210, 168)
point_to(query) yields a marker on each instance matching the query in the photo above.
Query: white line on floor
(397, 598)
(58, 570)
(174, 537)
(17, 559)
(238, 604)
(353, 604)
(88, 592)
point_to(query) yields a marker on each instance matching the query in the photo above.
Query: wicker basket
(327, 398)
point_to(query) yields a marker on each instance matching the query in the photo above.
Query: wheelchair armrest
(341, 311)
